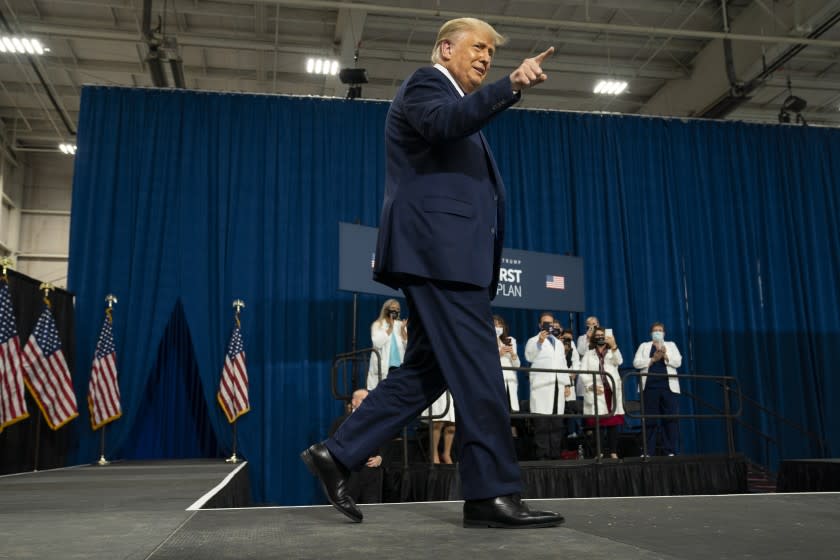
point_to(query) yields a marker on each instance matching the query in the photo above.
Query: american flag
(233, 387)
(12, 398)
(103, 389)
(555, 282)
(46, 373)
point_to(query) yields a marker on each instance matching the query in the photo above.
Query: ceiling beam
(542, 23)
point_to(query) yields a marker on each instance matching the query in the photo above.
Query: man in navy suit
(440, 241)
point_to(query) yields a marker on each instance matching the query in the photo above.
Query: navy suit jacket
(444, 210)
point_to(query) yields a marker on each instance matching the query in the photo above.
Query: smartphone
(608, 333)
(507, 341)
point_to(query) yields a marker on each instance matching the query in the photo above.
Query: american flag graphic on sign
(103, 389)
(233, 387)
(555, 282)
(46, 373)
(12, 398)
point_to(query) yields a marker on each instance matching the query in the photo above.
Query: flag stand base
(102, 460)
(233, 459)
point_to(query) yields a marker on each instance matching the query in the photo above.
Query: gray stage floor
(123, 510)
(701, 528)
(139, 511)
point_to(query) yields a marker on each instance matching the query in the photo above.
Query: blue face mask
(657, 336)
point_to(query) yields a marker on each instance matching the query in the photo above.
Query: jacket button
(492, 231)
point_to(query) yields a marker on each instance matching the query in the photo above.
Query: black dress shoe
(507, 512)
(333, 476)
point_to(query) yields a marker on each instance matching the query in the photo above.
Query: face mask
(657, 336)
(556, 333)
(600, 341)
(499, 331)
(567, 341)
(546, 326)
(394, 314)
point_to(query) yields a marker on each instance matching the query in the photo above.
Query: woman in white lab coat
(604, 357)
(389, 336)
(660, 391)
(508, 358)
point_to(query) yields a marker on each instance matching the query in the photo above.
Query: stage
(654, 476)
(122, 510)
(690, 528)
(809, 475)
(159, 510)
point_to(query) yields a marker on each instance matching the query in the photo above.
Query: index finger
(545, 54)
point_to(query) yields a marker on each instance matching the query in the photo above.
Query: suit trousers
(659, 399)
(451, 343)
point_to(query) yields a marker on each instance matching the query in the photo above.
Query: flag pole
(102, 460)
(233, 458)
(238, 304)
(46, 287)
(111, 299)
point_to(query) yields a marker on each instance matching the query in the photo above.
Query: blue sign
(527, 280)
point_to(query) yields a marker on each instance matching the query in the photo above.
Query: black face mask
(567, 341)
(394, 314)
(600, 341)
(556, 333)
(546, 326)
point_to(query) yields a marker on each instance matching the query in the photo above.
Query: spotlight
(69, 149)
(353, 77)
(794, 104)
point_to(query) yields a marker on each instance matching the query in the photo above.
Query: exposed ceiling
(670, 52)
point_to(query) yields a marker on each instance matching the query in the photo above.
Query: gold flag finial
(111, 299)
(6, 263)
(239, 305)
(46, 287)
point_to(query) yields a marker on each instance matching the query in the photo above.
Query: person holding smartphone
(548, 389)
(508, 358)
(389, 336)
(604, 357)
(583, 340)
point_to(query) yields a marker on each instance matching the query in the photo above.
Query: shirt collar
(446, 73)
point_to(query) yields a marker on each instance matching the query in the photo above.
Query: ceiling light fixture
(610, 87)
(324, 66)
(69, 149)
(21, 45)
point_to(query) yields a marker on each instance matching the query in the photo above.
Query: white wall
(44, 238)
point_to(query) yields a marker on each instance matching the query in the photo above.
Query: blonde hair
(454, 27)
(383, 313)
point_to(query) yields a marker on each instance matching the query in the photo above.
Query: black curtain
(17, 442)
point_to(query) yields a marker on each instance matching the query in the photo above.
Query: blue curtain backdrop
(183, 201)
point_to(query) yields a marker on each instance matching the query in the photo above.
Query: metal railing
(726, 414)
(767, 439)
(343, 390)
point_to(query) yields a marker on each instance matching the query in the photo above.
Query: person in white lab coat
(660, 394)
(443, 428)
(604, 357)
(389, 336)
(508, 358)
(548, 390)
(583, 340)
(573, 405)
